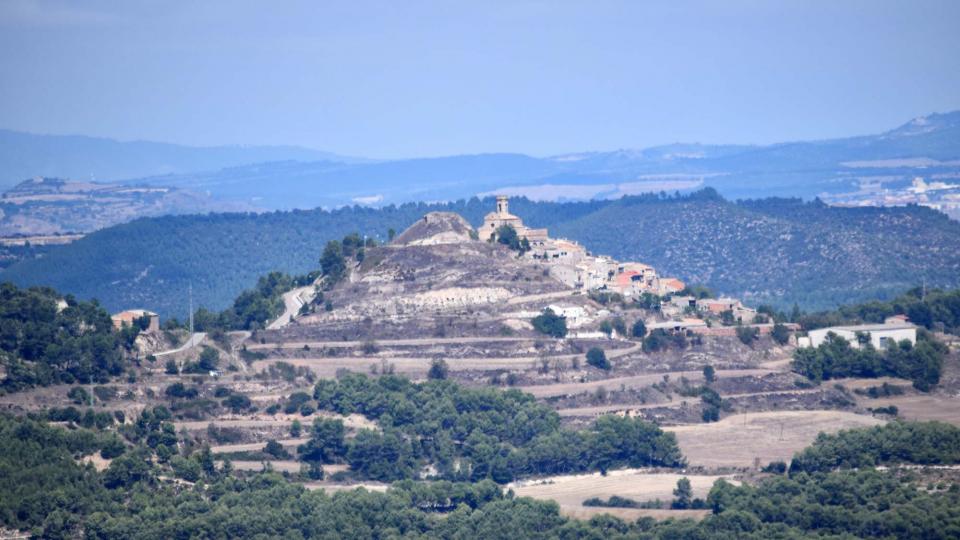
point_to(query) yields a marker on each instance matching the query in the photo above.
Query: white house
(880, 334)
(575, 315)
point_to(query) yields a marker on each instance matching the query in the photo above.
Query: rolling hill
(928, 147)
(279, 178)
(777, 251)
(25, 155)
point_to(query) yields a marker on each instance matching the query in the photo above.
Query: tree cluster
(47, 493)
(924, 443)
(921, 363)
(550, 323)
(471, 434)
(42, 344)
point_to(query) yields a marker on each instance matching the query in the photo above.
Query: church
(495, 220)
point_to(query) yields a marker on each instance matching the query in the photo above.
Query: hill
(25, 155)
(48, 206)
(777, 251)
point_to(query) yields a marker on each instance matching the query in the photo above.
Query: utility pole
(190, 288)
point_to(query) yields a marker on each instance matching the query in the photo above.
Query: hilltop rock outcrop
(437, 228)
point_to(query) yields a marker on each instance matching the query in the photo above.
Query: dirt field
(569, 491)
(679, 402)
(631, 514)
(253, 447)
(384, 342)
(921, 407)
(634, 381)
(332, 488)
(855, 384)
(282, 466)
(736, 441)
(416, 367)
(355, 421)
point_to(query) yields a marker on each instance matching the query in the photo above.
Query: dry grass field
(354, 421)
(921, 407)
(633, 381)
(252, 447)
(736, 441)
(327, 367)
(282, 466)
(569, 491)
(331, 487)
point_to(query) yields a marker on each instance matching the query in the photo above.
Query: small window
(883, 341)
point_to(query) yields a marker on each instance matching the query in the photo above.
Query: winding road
(293, 300)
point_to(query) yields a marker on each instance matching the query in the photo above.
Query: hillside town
(571, 263)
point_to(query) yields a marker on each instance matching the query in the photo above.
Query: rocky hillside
(437, 228)
(429, 281)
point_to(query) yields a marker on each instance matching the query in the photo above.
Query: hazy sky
(402, 78)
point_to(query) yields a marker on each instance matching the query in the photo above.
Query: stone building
(130, 316)
(495, 220)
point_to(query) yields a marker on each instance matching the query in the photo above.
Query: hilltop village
(571, 264)
(495, 354)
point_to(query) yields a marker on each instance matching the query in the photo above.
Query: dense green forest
(48, 493)
(776, 251)
(471, 434)
(923, 443)
(44, 343)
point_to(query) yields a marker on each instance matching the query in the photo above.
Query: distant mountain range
(289, 177)
(77, 157)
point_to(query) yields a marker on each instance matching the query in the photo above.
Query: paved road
(194, 340)
(293, 300)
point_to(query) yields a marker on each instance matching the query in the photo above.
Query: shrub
(276, 450)
(237, 402)
(598, 359)
(550, 323)
(78, 395)
(747, 334)
(780, 334)
(438, 369)
(709, 374)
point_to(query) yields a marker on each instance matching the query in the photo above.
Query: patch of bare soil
(288, 466)
(96, 460)
(354, 421)
(569, 491)
(742, 440)
(250, 447)
(940, 407)
(635, 381)
(332, 487)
